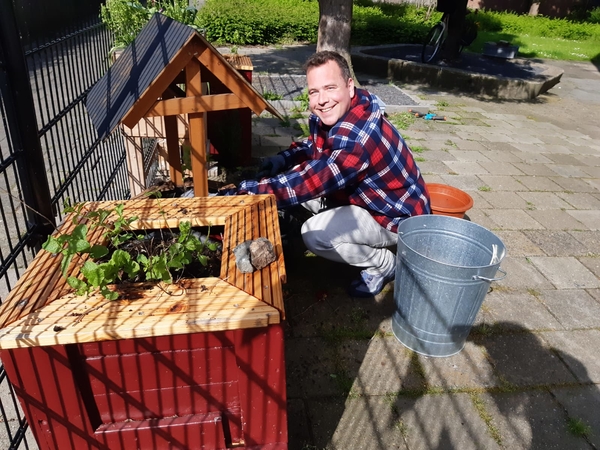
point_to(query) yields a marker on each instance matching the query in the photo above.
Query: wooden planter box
(193, 365)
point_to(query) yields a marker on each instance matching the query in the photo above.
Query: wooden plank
(42, 295)
(199, 104)
(174, 155)
(139, 109)
(197, 130)
(153, 127)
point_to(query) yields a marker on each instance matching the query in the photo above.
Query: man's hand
(271, 166)
(228, 189)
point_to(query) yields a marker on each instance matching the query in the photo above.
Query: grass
(402, 120)
(578, 427)
(542, 47)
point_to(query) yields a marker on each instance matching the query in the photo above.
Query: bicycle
(439, 32)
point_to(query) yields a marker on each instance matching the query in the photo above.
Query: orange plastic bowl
(449, 201)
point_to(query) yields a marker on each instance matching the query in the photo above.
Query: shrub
(259, 22)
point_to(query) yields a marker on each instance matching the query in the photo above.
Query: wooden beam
(234, 81)
(204, 103)
(197, 130)
(190, 50)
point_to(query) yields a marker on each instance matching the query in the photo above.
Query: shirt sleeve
(331, 171)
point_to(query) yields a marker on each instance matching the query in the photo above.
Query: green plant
(125, 18)
(402, 120)
(303, 99)
(578, 427)
(270, 95)
(484, 188)
(125, 254)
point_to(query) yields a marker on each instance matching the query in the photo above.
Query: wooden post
(197, 130)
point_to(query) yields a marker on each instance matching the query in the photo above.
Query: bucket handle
(489, 280)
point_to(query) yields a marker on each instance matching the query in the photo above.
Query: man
(354, 173)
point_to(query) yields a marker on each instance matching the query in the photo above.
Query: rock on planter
(197, 364)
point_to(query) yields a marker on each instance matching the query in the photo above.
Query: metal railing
(51, 54)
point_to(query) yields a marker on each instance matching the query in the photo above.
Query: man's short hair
(323, 57)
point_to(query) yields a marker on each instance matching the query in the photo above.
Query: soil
(155, 242)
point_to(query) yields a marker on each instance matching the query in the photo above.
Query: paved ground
(528, 377)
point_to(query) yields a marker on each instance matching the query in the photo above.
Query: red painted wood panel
(202, 389)
(182, 433)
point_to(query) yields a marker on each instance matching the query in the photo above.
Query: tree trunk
(451, 49)
(335, 21)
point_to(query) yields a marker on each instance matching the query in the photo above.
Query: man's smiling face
(329, 93)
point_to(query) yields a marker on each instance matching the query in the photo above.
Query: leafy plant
(129, 254)
(126, 18)
(303, 99)
(270, 95)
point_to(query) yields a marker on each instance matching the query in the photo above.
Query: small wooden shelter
(161, 74)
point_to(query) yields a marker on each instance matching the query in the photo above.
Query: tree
(335, 22)
(458, 11)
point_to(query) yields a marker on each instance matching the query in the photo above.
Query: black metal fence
(51, 54)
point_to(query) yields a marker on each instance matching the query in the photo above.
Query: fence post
(17, 95)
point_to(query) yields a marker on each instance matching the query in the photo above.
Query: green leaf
(98, 251)
(80, 232)
(64, 264)
(93, 273)
(77, 284)
(108, 294)
(51, 245)
(203, 259)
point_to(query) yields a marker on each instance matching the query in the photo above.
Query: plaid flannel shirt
(362, 160)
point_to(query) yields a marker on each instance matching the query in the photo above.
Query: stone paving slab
(565, 272)
(573, 308)
(519, 311)
(556, 243)
(522, 359)
(531, 420)
(579, 351)
(581, 404)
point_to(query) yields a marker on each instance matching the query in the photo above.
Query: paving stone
(530, 147)
(501, 168)
(538, 170)
(594, 293)
(531, 420)
(499, 137)
(517, 243)
(387, 366)
(579, 351)
(573, 184)
(467, 369)
(582, 403)
(565, 272)
(550, 149)
(501, 183)
(513, 219)
(461, 144)
(276, 141)
(556, 243)
(503, 156)
(465, 168)
(568, 160)
(593, 172)
(310, 362)
(522, 359)
(464, 182)
(478, 200)
(480, 217)
(433, 167)
(532, 158)
(521, 274)
(590, 239)
(437, 156)
(591, 218)
(299, 433)
(592, 263)
(468, 155)
(442, 422)
(555, 219)
(544, 200)
(503, 199)
(534, 183)
(520, 311)
(573, 308)
(363, 423)
(594, 183)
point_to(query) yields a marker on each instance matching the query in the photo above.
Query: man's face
(329, 93)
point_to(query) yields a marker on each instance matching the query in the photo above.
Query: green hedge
(259, 22)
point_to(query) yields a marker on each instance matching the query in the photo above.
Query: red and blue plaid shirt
(362, 160)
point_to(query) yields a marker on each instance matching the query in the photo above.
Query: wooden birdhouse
(161, 75)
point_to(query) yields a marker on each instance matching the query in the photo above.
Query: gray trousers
(349, 234)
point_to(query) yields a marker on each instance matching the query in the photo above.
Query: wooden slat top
(42, 300)
(200, 305)
(239, 62)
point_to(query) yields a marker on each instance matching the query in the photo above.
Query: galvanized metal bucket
(444, 269)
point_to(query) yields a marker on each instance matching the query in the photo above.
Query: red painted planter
(197, 365)
(448, 201)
